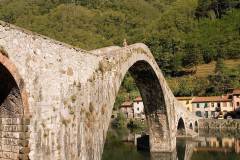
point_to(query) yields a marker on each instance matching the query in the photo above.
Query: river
(210, 145)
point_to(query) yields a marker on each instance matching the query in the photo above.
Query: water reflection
(164, 156)
(210, 145)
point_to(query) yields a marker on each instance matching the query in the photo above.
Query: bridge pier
(160, 138)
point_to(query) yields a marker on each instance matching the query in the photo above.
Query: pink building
(236, 98)
(127, 109)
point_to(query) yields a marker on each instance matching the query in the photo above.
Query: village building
(127, 109)
(138, 108)
(212, 106)
(206, 107)
(133, 109)
(236, 98)
(209, 107)
(186, 101)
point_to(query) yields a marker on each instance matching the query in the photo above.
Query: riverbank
(222, 124)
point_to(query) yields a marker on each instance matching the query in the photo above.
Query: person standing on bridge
(125, 43)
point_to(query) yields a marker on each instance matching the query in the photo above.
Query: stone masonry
(58, 100)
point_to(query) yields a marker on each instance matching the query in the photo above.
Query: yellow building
(186, 102)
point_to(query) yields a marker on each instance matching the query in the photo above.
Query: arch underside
(154, 105)
(10, 97)
(14, 144)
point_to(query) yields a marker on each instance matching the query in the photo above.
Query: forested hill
(180, 33)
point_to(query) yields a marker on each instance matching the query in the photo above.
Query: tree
(219, 69)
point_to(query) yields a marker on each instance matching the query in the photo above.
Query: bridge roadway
(57, 100)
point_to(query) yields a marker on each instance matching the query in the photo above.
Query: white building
(138, 108)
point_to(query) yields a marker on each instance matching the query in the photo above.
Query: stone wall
(14, 138)
(219, 124)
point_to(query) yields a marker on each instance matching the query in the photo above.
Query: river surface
(210, 145)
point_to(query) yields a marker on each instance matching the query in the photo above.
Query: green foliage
(219, 66)
(223, 80)
(137, 125)
(216, 8)
(120, 121)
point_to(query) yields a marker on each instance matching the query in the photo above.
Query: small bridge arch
(191, 126)
(181, 127)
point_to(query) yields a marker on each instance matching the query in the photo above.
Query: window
(188, 108)
(198, 105)
(212, 113)
(187, 102)
(212, 104)
(205, 105)
(206, 114)
(199, 114)
(138, 108)
(218, 104)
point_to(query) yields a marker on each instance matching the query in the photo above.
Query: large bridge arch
(14, 116)
(158, 99)
(154, 103)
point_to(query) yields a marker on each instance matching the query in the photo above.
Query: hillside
(214, 78)
(205, 70)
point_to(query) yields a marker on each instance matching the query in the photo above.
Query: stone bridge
(56, 101)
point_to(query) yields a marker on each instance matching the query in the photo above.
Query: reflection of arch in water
(189, 150)
(155, 108)
(165, 156)
(181, 130)
(196, 126)
(181, 147)
(184, 151)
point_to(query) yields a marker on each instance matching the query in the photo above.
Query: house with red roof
(133, 109)
(127, 109)
(209, 107)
